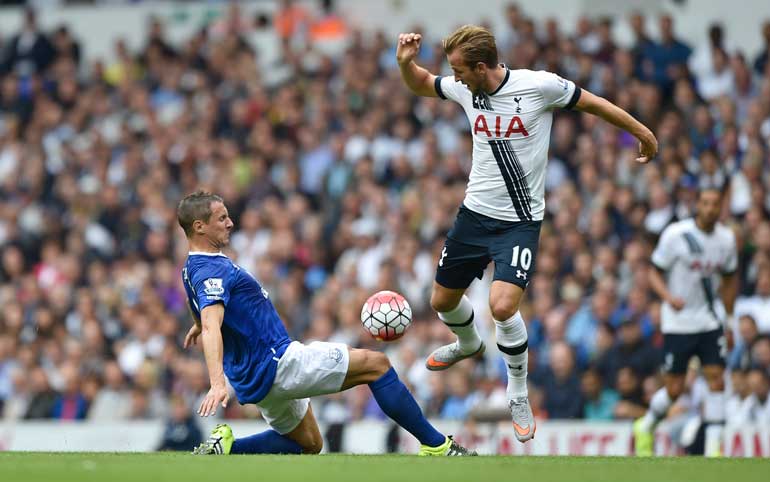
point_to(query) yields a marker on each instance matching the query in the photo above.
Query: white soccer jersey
(511, 132)
(694, 262)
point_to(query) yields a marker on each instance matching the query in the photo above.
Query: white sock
(714, 407)
(659, 406)
(460, 321)
(713, 442)
(512, 342)
(714, 417)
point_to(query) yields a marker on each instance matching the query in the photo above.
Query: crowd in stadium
(342, 183)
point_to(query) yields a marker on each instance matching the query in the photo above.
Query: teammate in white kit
(510, 112)
(695, 256)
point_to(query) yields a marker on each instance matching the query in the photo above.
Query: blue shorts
(475, 240)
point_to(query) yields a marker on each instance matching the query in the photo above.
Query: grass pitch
(161, 467)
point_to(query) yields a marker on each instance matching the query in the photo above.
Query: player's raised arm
(418, 79)
(599, 106)
(212, 317)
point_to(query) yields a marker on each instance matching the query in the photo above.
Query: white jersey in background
(511, 133)
(694, 262)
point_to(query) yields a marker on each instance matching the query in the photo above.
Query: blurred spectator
(42, 397)
(30, 51)
(668, 58)
(460, 399)
(182, 432)
(598, 401)
(630, 350)
(71, 404)
(562, 385)
(113, 401)
(628, 385)
(758, 305)
(739, 405)
(760, 63)
(759, 383)
(747, 331)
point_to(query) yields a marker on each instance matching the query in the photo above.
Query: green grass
(110, 467)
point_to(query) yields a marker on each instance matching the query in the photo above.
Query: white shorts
(304, 371)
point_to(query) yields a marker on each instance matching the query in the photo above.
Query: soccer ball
(386, 315)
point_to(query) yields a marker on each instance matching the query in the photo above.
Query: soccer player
(244, 340)
(510, 113)
(695, 256)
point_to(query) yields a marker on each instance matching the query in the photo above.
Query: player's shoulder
(202, 265)
(678, 227)
(533, 76)
(724, 232)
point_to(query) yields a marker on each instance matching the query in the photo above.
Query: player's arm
(191, 338)
(599, 106)
(212, 317)
(658, 285)
(418, 79)
(729, 293)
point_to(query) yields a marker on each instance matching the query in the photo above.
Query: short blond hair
(476, 44)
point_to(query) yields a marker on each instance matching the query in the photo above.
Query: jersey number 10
(526, 258)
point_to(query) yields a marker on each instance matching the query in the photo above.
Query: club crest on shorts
(335, 354)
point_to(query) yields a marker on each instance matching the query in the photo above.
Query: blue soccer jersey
(253, 334)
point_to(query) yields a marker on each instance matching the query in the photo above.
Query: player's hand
(676, 303)
(408, 47)
(191, 338)
(217, 395)
(648, 147)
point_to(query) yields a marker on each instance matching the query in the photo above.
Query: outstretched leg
(397, 402)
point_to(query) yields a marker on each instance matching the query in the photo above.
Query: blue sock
(267, 442)
(395, 400)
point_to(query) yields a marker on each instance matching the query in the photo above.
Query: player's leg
(712, 351)
(307, 434)
(459, 264)
(677, 349)
(373, 368)
(511, 333)
(514, 251)
(293, 430)
(222, 442)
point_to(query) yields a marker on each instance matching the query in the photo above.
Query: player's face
(463, 73)
(709, 206)
(219, 226)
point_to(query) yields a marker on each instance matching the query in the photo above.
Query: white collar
(204, 253)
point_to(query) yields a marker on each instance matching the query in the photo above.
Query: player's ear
(198, 226)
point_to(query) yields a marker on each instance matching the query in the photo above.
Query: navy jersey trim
(513, 175)
(437, 86)
(705, 281)
(574, 99)
(502, 84)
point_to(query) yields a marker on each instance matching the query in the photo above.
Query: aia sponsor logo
(499, 127)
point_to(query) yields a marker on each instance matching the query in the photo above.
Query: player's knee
(441, 303)
(315, 446)
(379, 363)
(502, 309)
(312, 441)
